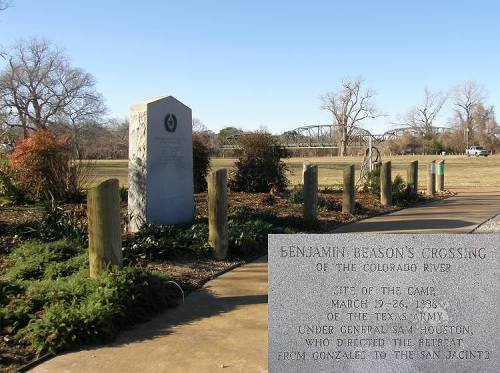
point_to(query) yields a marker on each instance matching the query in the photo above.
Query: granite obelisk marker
(160, 163)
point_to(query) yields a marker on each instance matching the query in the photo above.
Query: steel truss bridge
(327, 135)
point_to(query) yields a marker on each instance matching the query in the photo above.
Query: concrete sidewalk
(458, 214)
(223, 326)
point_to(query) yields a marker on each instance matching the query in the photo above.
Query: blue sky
(266, 63)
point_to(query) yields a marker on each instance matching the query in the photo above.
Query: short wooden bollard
(310, 176)
(304, 166)
(431, 178)
(348, 190)
(440, 176)
(386, 184)
(412, 177)
(217, 213)
(105, 240)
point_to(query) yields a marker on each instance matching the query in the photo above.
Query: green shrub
(372, 183)
(398, 187)
(96, 313)
(287, 224)
(435, 147)
(247, 230)
(201, 164)
(246, 213)
(66, 268)
(8, 289)
(31, 259)
(328, 205)
(332, 189)
(56, 224)
(247, 239)
(259, 167)
(10, 187)
(38, 294)
(268, 200)
(153, 242)
(241, 212)
(296, 195)
(48, 299)
(401, 194)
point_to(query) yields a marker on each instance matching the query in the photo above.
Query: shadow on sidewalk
(402, 225)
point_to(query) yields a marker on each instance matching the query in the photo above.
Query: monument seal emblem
(170, 122)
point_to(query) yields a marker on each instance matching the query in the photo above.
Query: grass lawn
(460, 171)
(106, 169)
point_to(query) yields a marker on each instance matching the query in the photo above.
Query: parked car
(476, 150)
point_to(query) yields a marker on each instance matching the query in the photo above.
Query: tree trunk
(343, 142)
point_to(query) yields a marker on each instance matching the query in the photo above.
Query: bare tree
(4, 4)
(108, 141)
(420, 118)
(349, 106)
(484, 126)
(199, 126)
(39, 88)
(467, 97)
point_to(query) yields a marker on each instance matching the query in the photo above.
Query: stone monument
(160, 163)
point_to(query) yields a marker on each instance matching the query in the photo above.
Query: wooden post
(304, 166)
(217, 213)
(431, 178)
(412, 177)
(310, 177)
(386, 184)
(440, 176)
(348, 190)
(105, 240)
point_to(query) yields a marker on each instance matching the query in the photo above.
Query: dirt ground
(366, 205)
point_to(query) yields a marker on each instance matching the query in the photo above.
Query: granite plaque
(382, 303)
(160, 163)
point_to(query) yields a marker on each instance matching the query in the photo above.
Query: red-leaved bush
(42, 166)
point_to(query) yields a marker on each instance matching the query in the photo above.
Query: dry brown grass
(460, 171)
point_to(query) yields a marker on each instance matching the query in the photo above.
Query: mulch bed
(190, 272)
(14, 355)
